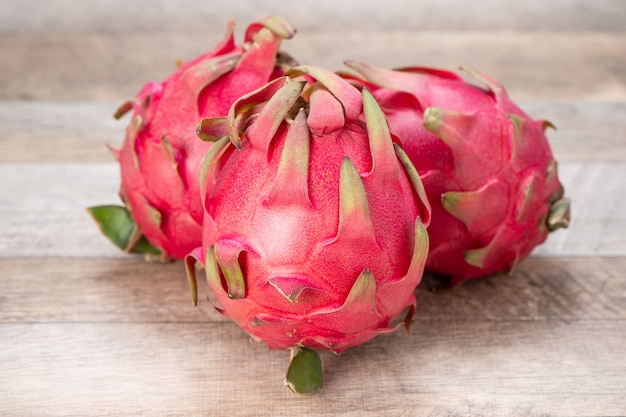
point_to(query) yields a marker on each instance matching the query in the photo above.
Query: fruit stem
(305, 373)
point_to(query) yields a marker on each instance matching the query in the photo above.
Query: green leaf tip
(123, 109)
(494, 86)
(116, 223)
(479, 210)
(355, 221)
(205, 72)
(416, 183)
(381, 144)
(476, 257)
(546, 124)
(559, 215)
(363, 293)
(213, 129)
(279, 26)
(432, 118)
(449, 126)
(143, 246)
(223, 268)
(305, 373)
(191, 261)
(291, 182)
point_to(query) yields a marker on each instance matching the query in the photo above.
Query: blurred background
(108, 48)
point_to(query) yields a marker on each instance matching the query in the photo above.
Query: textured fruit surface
(314, 231)
(486, 166)
(161, 153)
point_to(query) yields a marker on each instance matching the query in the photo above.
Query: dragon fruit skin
(486, 166)
(161, 153)
(314, 233)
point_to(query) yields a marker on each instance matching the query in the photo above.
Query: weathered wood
(58, 131)
(46, 290)
(102, 338)
(541, 288)
(521, 368)
(34, 131)
(586, 131)
(115, 66)
(597, 193)
(43, 209)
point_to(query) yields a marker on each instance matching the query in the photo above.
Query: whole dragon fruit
(486, 166)
(161, 153)
(314, 233)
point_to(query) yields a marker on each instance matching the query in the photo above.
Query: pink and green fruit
(486, 166)
(161, 153)
(315, 221)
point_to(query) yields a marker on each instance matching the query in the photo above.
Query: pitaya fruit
(486, 166)
(161, 153)
(314, 232)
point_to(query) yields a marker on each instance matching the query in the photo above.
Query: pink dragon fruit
(486, 166)
(161, 153)
(314, 233)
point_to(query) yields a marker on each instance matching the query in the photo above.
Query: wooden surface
(86, 330)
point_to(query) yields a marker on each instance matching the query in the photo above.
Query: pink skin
(323, 222)
(160, 180)
(471, 146)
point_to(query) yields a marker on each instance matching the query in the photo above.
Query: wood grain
(179, 369)
(56, 131)
(86, 330)
(97, 68)
(597, 219)
(543, 335)
(586, 130)
(124, 290)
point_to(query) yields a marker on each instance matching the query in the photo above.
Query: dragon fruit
(486, 166)
(161, 153)
(315, 224)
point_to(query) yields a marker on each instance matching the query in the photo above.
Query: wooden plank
(129, 290)
(58, 131)
(597, 193)
(521, 368)
(115, 66)
(42, 211)
(586, 131)
(541, 288)
(546, 341)
(194, 15)
(63, 290)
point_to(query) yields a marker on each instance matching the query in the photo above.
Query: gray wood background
(86, 330)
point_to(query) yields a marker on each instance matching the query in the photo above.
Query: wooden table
(86, 330)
